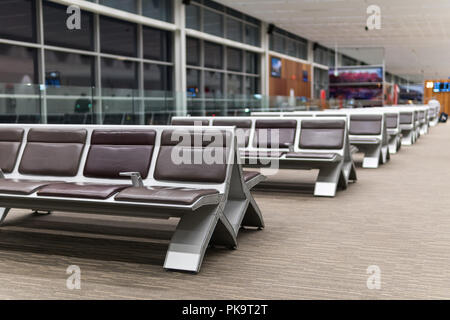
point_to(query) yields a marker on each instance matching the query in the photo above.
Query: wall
(442, 97)
(291, 78)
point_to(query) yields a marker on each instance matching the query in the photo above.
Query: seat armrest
(136, 178)
(291, 147)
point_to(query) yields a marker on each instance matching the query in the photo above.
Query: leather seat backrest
(115, 151)
(186, 156)
(365, 124)
(406, 118)
(190, 122)
(53, 152)
(322, 134)
(10, 142)
(244, 125)
(274, 133)
(391, 121)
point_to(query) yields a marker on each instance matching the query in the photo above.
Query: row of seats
(306, 140)
(404, 125)
(131, 171)
(296, 143)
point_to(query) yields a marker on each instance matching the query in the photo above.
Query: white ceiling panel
(414, 33)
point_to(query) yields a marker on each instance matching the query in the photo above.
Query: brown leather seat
(53, 152)
(249, 175)
(170, 195)
(189, 122)
(25, 187)
(243, 135)
(81, 190)
(264, 129)
(322, 134)
(192, 166)
(10, 142)
(115, 151)
(365, 124)
(311, 155)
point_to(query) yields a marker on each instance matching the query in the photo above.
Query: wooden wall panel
(291, 78)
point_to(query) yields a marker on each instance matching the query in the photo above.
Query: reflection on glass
(252, 62)
(158, 9)
(56, 32)
(18, 20)
(213, 83)
(234, 59)
(117, 37)
(213, 55)
(68, 69)
(212, 23)
(126, 5)
(118, 74)
(19, 64)
(193, 17)
(252, 35)
(193, 51)
(157, 44)
(234, 29)
(193, 82)
(157, 77)
(234, 85)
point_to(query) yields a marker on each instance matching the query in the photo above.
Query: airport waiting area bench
(294, 143)
(367, 131)
(132, 171)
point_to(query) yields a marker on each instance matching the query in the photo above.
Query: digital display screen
(305, 76)
(356, 75)
(374, 92)
(441, 87)
(276, 68)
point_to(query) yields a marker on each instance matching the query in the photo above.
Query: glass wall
(72, 64)
(321, 81)
(18, 20)
(216, 75)
(156, 9)
(218, 20)
(287, 43)
(324, 55)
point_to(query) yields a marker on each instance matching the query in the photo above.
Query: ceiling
(415, 34)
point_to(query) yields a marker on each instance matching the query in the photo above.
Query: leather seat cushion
(81, 190)
(365, 127)
(249, 175)
(53, 152)
(322, 138)
(310, 155)
(107, 161)
(25, 187)
(274, 137)
(9, 150)
(282, 131)
(115, 151)
(168, 195)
